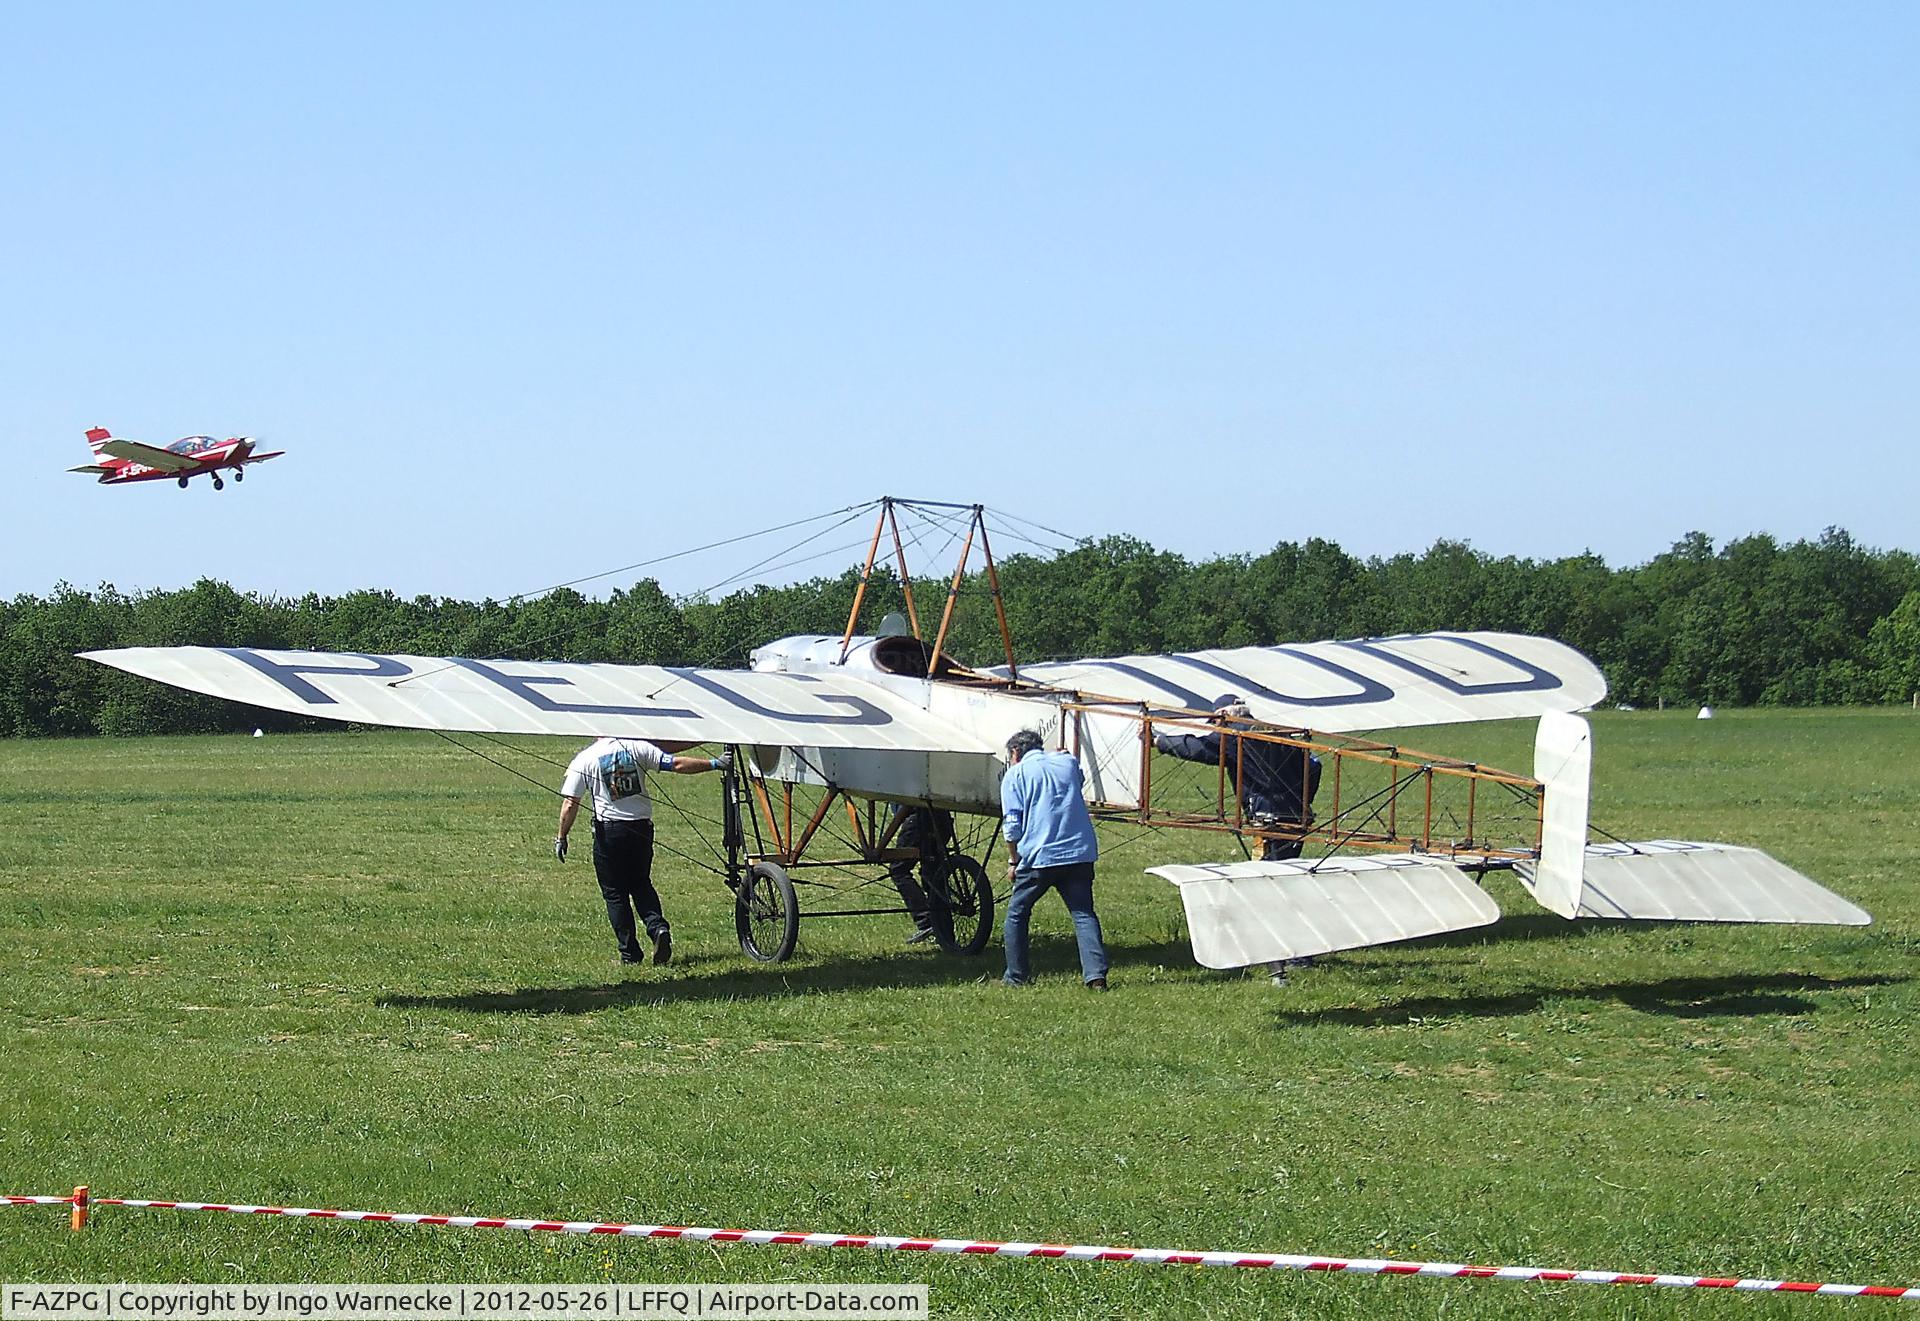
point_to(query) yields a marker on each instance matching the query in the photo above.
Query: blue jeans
(1074, 880)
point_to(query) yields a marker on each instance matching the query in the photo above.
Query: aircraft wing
(151, 455)
(1342, 687)
(522, 697)
(1243, 913)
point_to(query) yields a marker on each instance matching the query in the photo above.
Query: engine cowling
(906, 657)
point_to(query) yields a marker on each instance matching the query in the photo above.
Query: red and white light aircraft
(131, 461)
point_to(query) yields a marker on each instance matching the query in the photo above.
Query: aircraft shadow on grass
(727, 977)
(1737, 996)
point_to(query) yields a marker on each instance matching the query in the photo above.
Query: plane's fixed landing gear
(238, 473)
(183, 483)
(218, 485)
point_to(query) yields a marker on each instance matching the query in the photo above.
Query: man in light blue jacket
(1050, 845)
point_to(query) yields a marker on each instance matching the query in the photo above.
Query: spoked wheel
(766, 913)
(961, 900)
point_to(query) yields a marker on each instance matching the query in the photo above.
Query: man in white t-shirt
(613, 773)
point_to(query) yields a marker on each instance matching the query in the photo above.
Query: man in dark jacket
(1276, 783)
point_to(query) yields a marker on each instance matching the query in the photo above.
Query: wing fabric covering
(521, 697)
(1676, 880)
(1243, 913)
(1345, 687)
(151, 455)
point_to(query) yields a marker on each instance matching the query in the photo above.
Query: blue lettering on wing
(859, 711)
(527, 688)
(1185, 696)
(1366, 690)
(287, 674)
(1537, 680)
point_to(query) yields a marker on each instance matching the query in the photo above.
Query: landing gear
(766, 915)
(218, 485)
(238, 473)
(183, 483)
(962, 903)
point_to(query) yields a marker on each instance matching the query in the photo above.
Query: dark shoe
(920, 936)
(663, 949)
(1097, 984)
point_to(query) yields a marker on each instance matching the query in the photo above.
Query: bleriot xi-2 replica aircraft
(123, 461)
(862, 721)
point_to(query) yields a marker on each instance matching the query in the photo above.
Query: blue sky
(529, 292)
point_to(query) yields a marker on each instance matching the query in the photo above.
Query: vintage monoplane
(852, 722)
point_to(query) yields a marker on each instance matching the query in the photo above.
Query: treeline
(1753, 622)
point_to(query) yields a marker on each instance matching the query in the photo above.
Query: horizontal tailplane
(1674, 880)
(1244, 913)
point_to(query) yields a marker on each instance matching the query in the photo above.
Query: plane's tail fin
(98, 436)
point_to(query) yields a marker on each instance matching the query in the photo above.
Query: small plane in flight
(131, 461)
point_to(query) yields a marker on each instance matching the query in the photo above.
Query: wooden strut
(953, 594)
(906, 579)
(860, 592)
(999, 605)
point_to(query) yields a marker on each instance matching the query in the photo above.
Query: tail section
(1653, 880)
(98, 436)
(1563, 763)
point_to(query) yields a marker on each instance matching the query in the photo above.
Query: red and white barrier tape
(1052, 1251)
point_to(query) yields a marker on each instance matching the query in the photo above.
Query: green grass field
(343, 970)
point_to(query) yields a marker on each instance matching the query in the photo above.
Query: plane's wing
(1341, 687)
(522, 697)
(91, 468)
(1242, 913)
(151, 455)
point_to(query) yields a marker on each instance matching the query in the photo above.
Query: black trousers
(924, 828)
(623, 860)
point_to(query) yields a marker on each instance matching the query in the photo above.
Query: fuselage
(959, 781)
(207, 454)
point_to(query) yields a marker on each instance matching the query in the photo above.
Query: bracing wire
(924, 525)
(544, 787)
(695, 550)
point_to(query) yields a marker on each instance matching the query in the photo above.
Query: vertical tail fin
(1563, 763)
(98, 436)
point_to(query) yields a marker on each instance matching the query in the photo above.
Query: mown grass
(342, 970)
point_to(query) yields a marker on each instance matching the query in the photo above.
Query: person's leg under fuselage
(916, 832)
(1279, 850)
